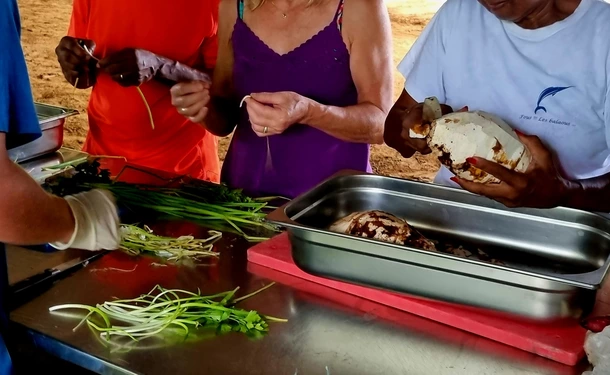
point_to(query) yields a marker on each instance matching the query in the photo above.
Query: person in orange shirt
(118, 47)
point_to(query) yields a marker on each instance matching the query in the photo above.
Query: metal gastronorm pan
(554, 260)
(51, 120)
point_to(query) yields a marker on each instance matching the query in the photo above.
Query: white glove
(96, 222)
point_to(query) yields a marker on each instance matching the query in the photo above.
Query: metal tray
(51, 120)
(554, 260)
(39, 170)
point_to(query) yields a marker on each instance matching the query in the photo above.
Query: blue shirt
(17, 114)
(17, 119)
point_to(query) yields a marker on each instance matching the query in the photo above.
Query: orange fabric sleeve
(80, 19)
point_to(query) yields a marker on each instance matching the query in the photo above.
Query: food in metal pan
(461, 135)
(382, 226)
(386, 227)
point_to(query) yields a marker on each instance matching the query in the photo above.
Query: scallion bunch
(214, 205)
(174, 310)
(136, 241)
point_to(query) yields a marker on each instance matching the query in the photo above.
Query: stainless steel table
(329, 332)
(352, 336)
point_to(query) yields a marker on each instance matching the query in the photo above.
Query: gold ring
(265, 130)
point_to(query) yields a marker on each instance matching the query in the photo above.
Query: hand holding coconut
(408, 117)
(540, 185)
(458, 136)
(413, 120)
(487, 156)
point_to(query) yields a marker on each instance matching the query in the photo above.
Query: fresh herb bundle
(215, 205)
(172, 310)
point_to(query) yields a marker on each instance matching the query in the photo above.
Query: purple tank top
(302, 157)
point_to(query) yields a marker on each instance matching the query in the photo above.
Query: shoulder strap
(240, 9)
(339, 15)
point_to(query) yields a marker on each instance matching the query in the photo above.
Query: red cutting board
(561, 343)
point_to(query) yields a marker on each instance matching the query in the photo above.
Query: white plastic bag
(603, 369)
(597, 347)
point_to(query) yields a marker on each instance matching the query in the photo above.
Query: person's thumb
(266, 98)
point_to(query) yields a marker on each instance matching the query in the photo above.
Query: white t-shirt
(552, 82)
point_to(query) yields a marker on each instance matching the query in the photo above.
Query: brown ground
(44, 22)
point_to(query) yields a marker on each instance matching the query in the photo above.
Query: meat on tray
(386, 227)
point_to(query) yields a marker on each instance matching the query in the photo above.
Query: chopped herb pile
(172, 310)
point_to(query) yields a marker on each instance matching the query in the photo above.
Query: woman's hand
(411, 119)
(541, 186)
(191, 99)
(76, 62)
(405, 115)
(131, 67)
(273, 113)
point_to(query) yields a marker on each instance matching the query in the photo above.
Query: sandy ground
(44, 22)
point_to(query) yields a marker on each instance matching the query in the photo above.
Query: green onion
(67, 164)
(135, 241)
(174, 310)
(150, 116)
(76, 162)
(214, 205)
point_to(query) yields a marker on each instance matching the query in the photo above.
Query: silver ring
(265, 130)
(121, 76)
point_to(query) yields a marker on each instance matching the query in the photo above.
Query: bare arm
(29, 215)
(223, 111)
(213, 106)
(371, 66)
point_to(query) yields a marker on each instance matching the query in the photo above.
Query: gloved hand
(96, 222)
(76, 62)
(133, 67)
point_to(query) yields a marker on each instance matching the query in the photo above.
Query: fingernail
(472, 161)
(454, 179)
(519, 133)
(465, 109)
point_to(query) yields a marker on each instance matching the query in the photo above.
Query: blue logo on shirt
(550, 91)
